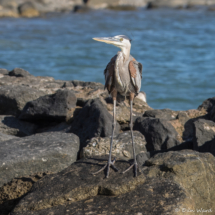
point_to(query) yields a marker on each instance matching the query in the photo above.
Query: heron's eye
(121, 39)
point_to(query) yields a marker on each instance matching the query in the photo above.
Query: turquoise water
(176, 48)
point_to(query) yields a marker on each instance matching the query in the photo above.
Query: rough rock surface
(93, 120)
(159, 133)
(57, 107)
(4, 137)
(161, 114)
(12, 126)
(168, 182)
(193, 171)
(204, 139)
(14, 98)
(207, 104)
(13, 191)
(4, 71)
(51, 151)
(18, 72)
(122, 146)
(28, 9)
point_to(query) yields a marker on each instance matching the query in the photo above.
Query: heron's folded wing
(109, 73)
(135, 70)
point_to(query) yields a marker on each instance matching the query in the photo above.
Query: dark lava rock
(142, 158)
(159, 133)
(18, 72)
(161, 114)
(212, 113)
(4, 137)
(93, 120)
(4, 71)
(52, 151)
(208, 104)
(12, 126)
(14, 98)
(204, 136)
(169, 181)
(56, 107)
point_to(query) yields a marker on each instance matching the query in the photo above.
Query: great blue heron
(123, 75)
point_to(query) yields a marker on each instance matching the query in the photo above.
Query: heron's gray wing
(109, 74)
(135, 69)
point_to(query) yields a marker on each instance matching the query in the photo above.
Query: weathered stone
(28, 9)
(159, 133)
(12, 126)
(4, 137)
(193, 171)
(18, 72)
(8, 13)
(207, 105)
(93, 120)
(142, 158)
(52, 151)
(161, 114)
(170, 182)
(57, 107)
(13, 191)
(14, 98)
(212, 113)
(60, 127)
(4, 71)
(122, 146)
(204, 138)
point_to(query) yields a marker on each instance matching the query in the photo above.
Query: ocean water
(176, 48)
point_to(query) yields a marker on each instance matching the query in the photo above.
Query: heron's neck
(126, 52)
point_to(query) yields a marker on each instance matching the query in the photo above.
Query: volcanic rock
(93, 120)
(122, 146)
(14, 98)
(4, 71)
(159, 133)
(57, 107)
(52, 151)
(169, 181)
(4, 137)
(12, 126)
(18, 72)
(204, 139)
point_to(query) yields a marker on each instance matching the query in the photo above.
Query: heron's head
(121, 41)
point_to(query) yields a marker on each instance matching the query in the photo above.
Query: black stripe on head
(125, 37)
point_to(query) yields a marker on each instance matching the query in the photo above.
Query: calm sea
(176, 48)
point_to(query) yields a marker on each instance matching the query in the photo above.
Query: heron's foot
(135, 168)
(107, 167)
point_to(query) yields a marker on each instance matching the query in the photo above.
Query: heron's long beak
(108, 40)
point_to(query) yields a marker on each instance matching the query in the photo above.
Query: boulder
(4, 12)
(57, 107)
(28, 9)
(204, 136)
(169, 183)
(191, 170)
(122, 146)
(207, 105)
(13, 191)
(4, 137)
(4, 71)
(10, 125)
(93, 120)
(212, 113)
(52, 151)
(14, 98)
(159, 133)
(166, 114)
(18, 72)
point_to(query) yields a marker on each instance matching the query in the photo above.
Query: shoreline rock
(175, 150)
(35, 8)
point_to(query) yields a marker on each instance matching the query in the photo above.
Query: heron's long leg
(132, 137)
(110, 163)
